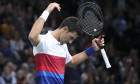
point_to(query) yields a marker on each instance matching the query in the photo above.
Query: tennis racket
(92, 21)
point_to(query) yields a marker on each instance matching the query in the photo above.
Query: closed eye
(72, 38)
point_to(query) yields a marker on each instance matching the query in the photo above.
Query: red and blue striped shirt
(50, 59)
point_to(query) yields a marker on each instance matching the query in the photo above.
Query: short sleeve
(39, 47)
(68, 56)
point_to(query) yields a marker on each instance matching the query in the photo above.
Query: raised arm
(78, 58)
(38, 25)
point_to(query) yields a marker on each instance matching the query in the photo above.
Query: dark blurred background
(122, 29)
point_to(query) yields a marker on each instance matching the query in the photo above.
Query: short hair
(73, 24)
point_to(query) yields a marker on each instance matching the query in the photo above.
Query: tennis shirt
(50, 59)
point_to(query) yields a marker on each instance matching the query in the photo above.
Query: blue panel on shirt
(48, 80)
(50, 74)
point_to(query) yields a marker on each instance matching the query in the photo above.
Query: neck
(56, 34)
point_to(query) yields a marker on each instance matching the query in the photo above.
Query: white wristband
(45, 15)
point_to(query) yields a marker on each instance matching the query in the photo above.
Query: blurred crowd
(122, 30)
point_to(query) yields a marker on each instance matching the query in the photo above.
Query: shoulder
(45, 36)
(1, 80)
(65, 45)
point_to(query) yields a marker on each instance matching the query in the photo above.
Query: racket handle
(105, 58)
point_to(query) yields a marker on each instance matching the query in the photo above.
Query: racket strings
(95, 9)
(89, 27)
(92, 22)
(92, 19)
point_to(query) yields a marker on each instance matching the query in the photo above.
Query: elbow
(31, 37)
(71, 64)
(33, 40)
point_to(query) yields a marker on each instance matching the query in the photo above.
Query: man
(50, 50)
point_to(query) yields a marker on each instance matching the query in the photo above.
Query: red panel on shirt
(46, 62)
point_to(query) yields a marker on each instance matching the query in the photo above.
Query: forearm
(38, 25)
(78, 58)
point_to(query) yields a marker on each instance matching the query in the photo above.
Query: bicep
(76, 59)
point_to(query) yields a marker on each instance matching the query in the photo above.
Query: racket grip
(105, 58)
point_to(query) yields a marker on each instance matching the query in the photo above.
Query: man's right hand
(51, 6)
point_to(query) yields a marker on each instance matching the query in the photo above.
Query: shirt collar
(54, 40)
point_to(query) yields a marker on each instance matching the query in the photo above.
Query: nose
(70, 41)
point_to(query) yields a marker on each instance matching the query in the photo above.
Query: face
(7, 70)
(68, 37)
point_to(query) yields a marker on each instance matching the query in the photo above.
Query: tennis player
(50, 50)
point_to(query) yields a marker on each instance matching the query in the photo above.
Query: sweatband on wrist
(89, 51)
(45, 15)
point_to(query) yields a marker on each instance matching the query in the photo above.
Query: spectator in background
(7, 78)
(2, 62)
(121, 5)
(27, 74)
(27, 53)
(17, 46)
(17, 43)
(126, 67)
(5, 10)
(30, 62)
(20, 76)
(21, 28)
(119, 25)
(12, 67)
(25, 68)
(29, 17)
(8, 28)
(131, 77)
(106, 79)
(89, 76)
(6, 51)
(33, 78)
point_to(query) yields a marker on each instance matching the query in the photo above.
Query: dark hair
(73, 24)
